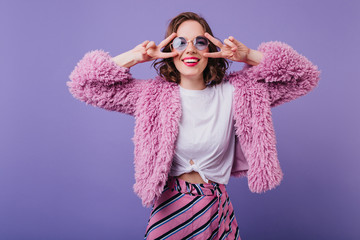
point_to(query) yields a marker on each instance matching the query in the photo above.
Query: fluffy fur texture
(283, 75)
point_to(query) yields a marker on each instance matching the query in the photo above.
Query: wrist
(253, 57)
(126, 59)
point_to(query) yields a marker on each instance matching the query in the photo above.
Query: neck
(196, 83)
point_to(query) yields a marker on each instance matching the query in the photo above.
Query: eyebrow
(194, 37)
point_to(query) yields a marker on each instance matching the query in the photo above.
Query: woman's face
(191, 69)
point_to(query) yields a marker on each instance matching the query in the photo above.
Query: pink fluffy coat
(282, 75)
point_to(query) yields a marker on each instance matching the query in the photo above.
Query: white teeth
(191, 60)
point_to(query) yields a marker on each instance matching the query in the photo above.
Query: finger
(236, 42)
(150, 45)
(214, 40)
(230, 44)
(143, 51)
(144, 43)
(167, 40)
(168, 55)
(213, 55)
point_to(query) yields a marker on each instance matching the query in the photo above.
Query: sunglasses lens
(179, 43)
(201, 43)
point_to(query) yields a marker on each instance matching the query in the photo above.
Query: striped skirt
(192, 211)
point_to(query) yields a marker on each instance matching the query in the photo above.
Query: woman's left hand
(232, 49)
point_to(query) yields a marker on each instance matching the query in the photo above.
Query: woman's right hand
(144, 52)
(154, 52)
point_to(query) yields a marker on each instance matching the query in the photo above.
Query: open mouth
(191, 61)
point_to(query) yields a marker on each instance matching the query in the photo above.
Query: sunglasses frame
(194, 41)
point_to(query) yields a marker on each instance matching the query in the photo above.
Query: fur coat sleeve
(99, 81)
(286, 73)
(282, 75)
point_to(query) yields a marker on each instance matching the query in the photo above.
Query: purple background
(66, 168)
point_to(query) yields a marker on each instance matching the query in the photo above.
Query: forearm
(253, 57)
(127, 59)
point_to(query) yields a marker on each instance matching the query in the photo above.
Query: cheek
(205, 61)
(205, 58)
(177, 61)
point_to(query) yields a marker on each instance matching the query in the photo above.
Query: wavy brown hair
(216, 67)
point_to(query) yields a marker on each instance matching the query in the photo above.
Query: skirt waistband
(194, 189)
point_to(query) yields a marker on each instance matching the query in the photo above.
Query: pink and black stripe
(192, 211)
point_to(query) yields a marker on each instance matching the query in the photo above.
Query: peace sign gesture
(232, 49)
(154, 52)
(144, 52)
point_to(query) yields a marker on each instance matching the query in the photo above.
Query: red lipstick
(191, 61)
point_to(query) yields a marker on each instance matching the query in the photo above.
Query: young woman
(195, 124)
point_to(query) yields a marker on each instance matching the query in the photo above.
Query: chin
(191, 73)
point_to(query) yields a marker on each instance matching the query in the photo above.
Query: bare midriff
(192, 177)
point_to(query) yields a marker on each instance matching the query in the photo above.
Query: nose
(190, 47)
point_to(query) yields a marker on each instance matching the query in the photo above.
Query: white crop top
(206, 133)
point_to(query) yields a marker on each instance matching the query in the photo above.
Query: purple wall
(66, 169)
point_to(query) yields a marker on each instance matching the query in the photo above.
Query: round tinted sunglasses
(180, 43)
